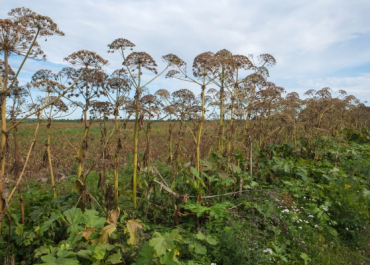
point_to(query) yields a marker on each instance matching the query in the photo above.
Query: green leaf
(169, 258)
(197, 248)
(146, 255)
(212, 240)
(161, 244)
(206, 165)
(98, 253)
(67, 261)
(19, 230)
(222, 174)
(49, 259)
(174, 235)
(42, 250)
(200, 236)
(194, 172)
(115, 258)
(234, 168)
(366, 192)
(92, 219)
(305, 257)
(196, 208)
(301, 172)
(74, 217)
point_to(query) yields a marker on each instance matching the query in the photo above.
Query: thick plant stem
(230, 146)
(251, 157)
(80, 151)
(148, 129)
(199, 136)
(21, 202)
(49, 156)
(170, 158)
(221, 122)
(4, 135)
(116, 162)
(136, 132)
(26, 162)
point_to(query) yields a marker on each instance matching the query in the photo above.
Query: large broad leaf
(200, 236)
(169, 258)
(212, 240)
(19, 230)
(146, 255)
(132, 227)
(47, 224)
(106, 232)
(74, 217)
(92, 219)
(98, 252)
(113, 216)
(196, 174)
(234, 168)
(175, 236)
(87, 232)
(219, 210)
(194, 171)
(50, 260)
(301, 172)
(206, 165)
(161, 245)
(197, 248)
(115, 258)
(222, 174)
(196, 208)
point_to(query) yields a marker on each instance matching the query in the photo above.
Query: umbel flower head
(16, 39)
(11, 73)
(174, 60)
(31, 20)
(49, 86)
(120, 44)
(86, 59)
(205, 63)
(43, 74)
(137, 59)
(18, 32)
(225, 61)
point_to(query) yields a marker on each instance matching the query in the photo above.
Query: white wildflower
(268, 250)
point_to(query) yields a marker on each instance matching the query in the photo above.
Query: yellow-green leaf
(132, 227)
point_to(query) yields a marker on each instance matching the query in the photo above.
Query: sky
(316, 43)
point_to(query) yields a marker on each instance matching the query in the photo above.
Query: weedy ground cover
(291, 211)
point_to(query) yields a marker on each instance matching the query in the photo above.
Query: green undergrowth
(305, 204)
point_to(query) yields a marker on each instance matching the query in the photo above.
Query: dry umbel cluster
(86, 59)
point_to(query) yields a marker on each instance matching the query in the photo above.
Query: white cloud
(357, 86)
